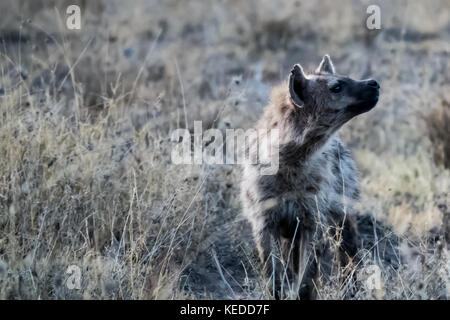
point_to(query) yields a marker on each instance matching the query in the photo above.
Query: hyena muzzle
(303, 213)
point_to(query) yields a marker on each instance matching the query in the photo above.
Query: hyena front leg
(349, 246)
(347, 253)
(345, 233)
(267, 245)
(305, 265)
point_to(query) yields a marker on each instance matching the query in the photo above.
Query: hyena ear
(326, 65)
(297, 83)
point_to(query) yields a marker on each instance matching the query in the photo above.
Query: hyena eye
(336, 88)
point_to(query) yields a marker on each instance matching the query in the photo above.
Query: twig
(219, 268)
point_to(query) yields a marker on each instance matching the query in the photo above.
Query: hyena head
(329, 98)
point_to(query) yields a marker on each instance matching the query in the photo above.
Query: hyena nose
(373, 83)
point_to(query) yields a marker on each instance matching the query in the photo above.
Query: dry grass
(85, 121)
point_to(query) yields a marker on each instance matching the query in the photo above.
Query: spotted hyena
(304, 210)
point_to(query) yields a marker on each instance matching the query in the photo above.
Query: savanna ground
(86, 177)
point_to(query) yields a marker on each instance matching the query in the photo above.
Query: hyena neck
(302, 135)
(308, 137)
(305, 136)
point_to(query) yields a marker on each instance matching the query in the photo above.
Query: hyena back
(308, 201)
